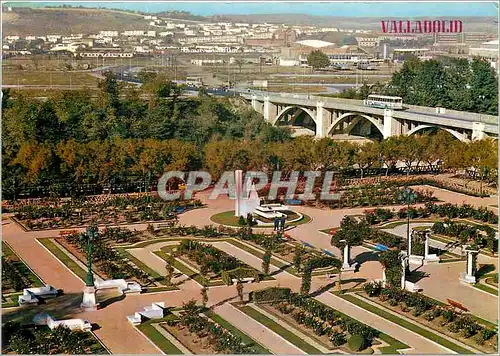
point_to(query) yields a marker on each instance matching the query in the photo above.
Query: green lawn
(236, 332)
(68, 262)
(228, 218)
(158, 339)
(152, 273)
(406, 324)
(280, 330)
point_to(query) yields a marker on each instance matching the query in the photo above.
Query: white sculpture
(469, 275)
(246, 199)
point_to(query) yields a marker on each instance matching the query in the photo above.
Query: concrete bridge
(328, 116)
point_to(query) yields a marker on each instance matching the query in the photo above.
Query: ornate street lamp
(408, 197)
(89, 301)
(92, 233)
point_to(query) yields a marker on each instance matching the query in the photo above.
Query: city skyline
(340, 9)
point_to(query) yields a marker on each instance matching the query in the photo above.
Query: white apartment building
(151, 34)
(165, 34)
(53, 38)
(108, 33)
(133, 33)
(202, 62)
(11, 38)
(367, 41)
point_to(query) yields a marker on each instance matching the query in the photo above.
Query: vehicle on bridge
(194, 82)
(384, 102)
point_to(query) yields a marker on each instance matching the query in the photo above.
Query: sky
(404, 9)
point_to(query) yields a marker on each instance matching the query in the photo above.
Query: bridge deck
(452, 118)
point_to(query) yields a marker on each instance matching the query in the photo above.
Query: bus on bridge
(384, 102)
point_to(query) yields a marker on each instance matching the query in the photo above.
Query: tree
(391, 261)
(318, 59)
(239, 289)
(170, 268)
(367, 155)
(483, 156)
(297, 258)
(266, 261)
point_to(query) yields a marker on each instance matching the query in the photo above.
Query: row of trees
(456, 84)
(113, 160)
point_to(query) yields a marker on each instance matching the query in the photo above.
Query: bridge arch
(342, 117)
(455, 134)
(281, 114)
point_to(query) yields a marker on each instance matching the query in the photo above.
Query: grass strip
(61, 256)
(158, 339)
(145, 268)
(486, 289)
(394, 345)
(406, 324)
(261, 350)
(280, 330)
(186, 270)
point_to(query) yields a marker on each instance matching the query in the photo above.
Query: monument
(346, 265)
(89, 301)
(247, 199)
(469, 276)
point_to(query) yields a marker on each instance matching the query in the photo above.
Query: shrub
(438, 227)
(271, 294)
(356, 343)
(448, 315)
(241, 221)
(373, 288)
(337, 338)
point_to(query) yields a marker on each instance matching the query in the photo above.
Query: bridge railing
(464, 115)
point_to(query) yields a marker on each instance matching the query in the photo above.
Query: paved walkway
(420, 344)
(266, 337)
(121, 337)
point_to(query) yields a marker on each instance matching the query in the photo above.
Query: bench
(32, 295)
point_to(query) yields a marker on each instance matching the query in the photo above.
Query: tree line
(456, 84)
(113, 160)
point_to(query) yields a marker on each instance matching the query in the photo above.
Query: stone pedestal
(416, 260)
(469, 275)
(346, 266)
(89, 302)
(429, 258)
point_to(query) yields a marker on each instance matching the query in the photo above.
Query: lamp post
(91, 235)
(89, 301)
(408, 196)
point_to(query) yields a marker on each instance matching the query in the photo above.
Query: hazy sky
(402, 9)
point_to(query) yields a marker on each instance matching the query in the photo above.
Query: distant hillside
(28, 21)
(471, 24)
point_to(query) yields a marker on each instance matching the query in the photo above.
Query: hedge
(271, 294)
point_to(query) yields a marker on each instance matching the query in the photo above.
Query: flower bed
(451, 211)
(204, 336)
(117, 210)
(468, 234)
(210, 261)
(15, 274)
(43, 341)
(109, 262)
(429, 312)
(328, 325)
